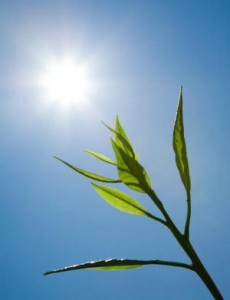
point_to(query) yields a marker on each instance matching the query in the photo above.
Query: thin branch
(156, 218)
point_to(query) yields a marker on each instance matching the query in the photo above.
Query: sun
(66, 83)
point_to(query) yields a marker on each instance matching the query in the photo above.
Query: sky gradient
(139, 53)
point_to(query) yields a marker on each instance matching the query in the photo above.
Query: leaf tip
(181, 95)
(57, 158)
(47, 273)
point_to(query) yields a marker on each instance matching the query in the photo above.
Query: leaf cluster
(132, 174)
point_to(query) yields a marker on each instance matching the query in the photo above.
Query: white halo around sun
(66, 83)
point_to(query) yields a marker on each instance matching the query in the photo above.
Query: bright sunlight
(66, 83)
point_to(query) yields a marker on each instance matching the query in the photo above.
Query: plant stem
(188, 217)
(198, 266)
(184, 242)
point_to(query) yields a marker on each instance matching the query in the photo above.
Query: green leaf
(101, 157)
(179, 146)
(120, 200)
(130, 171)
(88, 174)
(118, 264)
(108, 265)
(123, 141)
(120, 130)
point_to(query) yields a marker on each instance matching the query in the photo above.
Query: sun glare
(66, 83)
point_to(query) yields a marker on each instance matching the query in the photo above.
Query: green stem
(155, 218)
(196, 262)
(188, 218)
(184, 242)
(165, 263)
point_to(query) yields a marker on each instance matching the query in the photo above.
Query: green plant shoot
(132, 174)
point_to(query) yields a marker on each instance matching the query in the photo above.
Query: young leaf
(118, 264)
(120, 130)
(179, 146)
(130, 171)
(123, 141)
(89, 174)
(101, 157)
(120, 200)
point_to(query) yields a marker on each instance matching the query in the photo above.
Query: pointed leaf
(118, 264)
(120, 130)
(179, 146)
(89, 174)
(109, 264)
(130, 171)
(101, 157)
(120, 200)
(124, 143)
(122, 139)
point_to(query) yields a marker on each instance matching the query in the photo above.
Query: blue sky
(138, 54)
